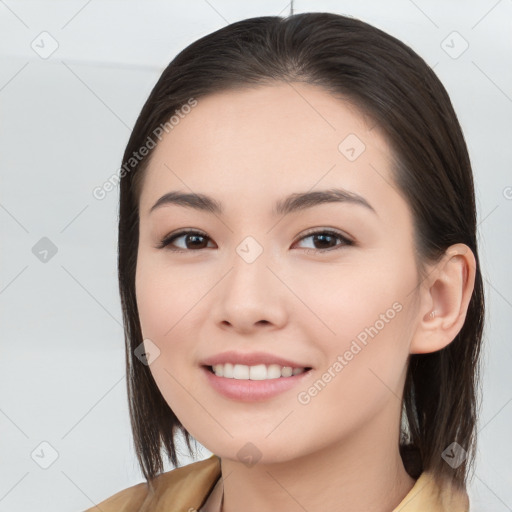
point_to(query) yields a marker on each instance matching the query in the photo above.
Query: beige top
(198, 487)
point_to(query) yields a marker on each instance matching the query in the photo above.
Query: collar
(198, 486)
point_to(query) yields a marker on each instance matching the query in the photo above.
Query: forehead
(270, 141)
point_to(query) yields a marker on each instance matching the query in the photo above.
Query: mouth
(261, 382)
(257, 372)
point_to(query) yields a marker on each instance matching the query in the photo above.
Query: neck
(363, 472)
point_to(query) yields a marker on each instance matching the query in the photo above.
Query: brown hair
(388, 81)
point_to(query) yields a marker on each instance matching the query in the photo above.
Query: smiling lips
(253, 376)
(253, 366)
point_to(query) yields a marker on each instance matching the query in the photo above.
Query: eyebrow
(293, 203)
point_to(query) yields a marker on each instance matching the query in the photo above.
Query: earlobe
(445, 297)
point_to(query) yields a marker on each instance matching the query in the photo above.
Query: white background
(64, 123)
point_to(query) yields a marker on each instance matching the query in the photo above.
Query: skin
(248, 149)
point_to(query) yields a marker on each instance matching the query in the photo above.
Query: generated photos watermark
(100, 192)
(342, 360)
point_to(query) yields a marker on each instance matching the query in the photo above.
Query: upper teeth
(258, 372)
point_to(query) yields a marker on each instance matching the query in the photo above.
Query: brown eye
(326, 240)
(192, 240)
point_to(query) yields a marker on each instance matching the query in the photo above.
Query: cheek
(362, 325)
(154, 301)
(162, 305)
(362, 373)
(167, 301)
(163, 297)
(346, 299)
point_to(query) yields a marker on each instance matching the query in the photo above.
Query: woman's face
(255, 280)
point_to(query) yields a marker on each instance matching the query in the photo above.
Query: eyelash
(165, 242)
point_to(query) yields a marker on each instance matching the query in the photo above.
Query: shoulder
(187, 486)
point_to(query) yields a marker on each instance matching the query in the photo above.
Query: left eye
(327, 240)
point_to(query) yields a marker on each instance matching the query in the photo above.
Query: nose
(251, 296)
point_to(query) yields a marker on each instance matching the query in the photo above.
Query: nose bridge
(250, 293)
(250, 268)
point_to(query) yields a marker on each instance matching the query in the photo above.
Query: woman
(299, 276)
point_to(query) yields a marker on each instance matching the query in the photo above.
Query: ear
(447, 290)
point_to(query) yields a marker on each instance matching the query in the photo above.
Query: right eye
(190, 237)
